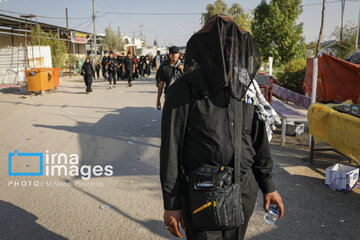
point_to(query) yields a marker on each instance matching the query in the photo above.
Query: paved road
(120, 127)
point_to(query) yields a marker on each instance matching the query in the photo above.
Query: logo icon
(18, 160)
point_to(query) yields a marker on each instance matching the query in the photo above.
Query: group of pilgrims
(114, 68)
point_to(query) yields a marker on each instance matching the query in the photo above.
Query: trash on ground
(130, 142)
(105, 207)
(12, 228)
(341, 177)
(154, 120)
(30, 165)
(342, 221)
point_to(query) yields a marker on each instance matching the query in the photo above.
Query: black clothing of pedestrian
(141, 66)
(199, 122)
(147, 66)
(118, 67)
(168, 74)
(129, 68)
(88, 72)
(136, 73)
(104, 64)
(112, 70)
(97, 69)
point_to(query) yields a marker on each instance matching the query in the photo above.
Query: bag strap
(238, 138)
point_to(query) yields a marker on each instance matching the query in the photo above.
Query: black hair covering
(221, 55)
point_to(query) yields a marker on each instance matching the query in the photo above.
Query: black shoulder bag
(215, 191)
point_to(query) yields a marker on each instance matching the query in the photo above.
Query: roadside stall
(336, 124)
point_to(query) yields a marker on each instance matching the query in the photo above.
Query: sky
(167, 30)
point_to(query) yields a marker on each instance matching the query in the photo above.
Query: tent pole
(313, 100)
(314, 80)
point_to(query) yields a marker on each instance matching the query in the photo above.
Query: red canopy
(337, 79)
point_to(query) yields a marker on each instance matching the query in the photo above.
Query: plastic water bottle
(272, 215)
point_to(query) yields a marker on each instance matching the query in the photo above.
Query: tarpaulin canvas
(337, 79)
(340, 130)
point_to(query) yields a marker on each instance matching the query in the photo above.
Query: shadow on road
(155, 226)
(122, 138)
(17, 223)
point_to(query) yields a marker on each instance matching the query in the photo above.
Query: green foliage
(113, 41)
(310, 49)
(242, 18)
(72, 60)
(276, 32)
(347, 46)
(293, 75)
(57, 46)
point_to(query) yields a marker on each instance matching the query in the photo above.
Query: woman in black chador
(141, 66)
(87, 70)
(147, 65)
(215, 153)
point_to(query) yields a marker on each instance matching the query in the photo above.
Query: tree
(219, 7)
(292, 75)
(348, 43)
(242, 18)
(276, 33)
(57, 46)
(113, 41)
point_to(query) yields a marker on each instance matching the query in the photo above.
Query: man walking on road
(129, 65)
(157, 60)
(97, 69)
(215, 153)
(104, 65)
(168, 73)
(112, 68)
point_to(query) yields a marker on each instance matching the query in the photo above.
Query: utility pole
(94, 44)
(68, 42)
(141, 34)
(321, 29)
(58, 50)
(342, 19)
(358, 32)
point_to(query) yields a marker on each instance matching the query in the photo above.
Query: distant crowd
(115, 67)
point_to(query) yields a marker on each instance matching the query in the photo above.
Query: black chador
(87, 70)
(201, 129)
(147, 65)
(141, 66)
